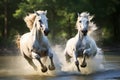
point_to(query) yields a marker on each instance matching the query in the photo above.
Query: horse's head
(42, 21)
(83, 21)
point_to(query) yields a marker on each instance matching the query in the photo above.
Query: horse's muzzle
(46, 32)
(84, 32)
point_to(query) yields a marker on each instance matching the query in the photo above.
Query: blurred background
(62, 16)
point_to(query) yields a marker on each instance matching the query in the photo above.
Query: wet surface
(16, 68)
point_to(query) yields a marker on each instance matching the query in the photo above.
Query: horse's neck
(37, 35)
(79, 39)
(79, 36)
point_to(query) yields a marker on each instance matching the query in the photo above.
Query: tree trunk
(116, 26)
(5, 29)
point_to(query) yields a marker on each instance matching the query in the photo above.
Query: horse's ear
(91, 17)
(45, 12)
(78, 14)
(36, 12)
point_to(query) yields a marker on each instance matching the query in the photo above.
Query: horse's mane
(92, 26)
(30, 18)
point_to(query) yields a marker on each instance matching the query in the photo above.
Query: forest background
(62, 16)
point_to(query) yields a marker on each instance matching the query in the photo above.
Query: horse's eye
(79, 21)
(40, 21)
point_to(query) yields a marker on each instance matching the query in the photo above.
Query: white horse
(35, 44)
(82, 45)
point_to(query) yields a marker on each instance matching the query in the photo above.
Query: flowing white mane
(29, 19)
(92, 26)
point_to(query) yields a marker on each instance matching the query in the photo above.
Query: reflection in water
(17, 68)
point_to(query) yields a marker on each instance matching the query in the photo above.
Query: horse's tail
(17, 40)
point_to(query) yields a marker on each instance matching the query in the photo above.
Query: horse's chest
(44, 51)
(40, 48)
(39, 44)
(84, 44)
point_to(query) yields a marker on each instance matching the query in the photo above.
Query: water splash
(93, 64)
(17, 65)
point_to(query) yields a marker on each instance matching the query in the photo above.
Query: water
(16, 68)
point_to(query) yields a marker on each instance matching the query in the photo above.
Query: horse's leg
(76, 61)
(44, 68)
(77, 64)
(30, 62)
(37, 57)
(84, 64)
(51, 67)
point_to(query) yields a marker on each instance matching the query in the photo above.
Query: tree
(5, 32)
(62, 17)
(7, 8)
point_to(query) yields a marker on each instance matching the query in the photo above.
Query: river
(16, 68)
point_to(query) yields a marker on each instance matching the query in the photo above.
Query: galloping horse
(35, 44)
(82, 45)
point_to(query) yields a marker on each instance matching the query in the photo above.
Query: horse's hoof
(44, 69)
(83, 65)
(77, 65)
(51, 67)
(79, 69)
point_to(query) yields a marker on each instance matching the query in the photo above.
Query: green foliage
(62, 15)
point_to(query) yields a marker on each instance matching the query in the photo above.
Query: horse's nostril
(46, 31)
(84, 32)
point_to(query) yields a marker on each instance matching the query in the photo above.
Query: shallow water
(16, 68)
